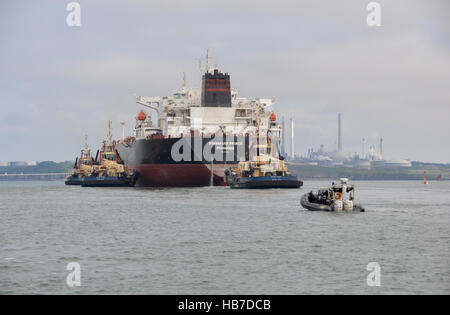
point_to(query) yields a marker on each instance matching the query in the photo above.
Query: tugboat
(110, 171)
(83, 166)
(335, 198)
(266, 171)
(258, 174)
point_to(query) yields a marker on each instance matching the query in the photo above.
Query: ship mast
(208, 67)
(86, 147)
(110, 141)
(86, 143)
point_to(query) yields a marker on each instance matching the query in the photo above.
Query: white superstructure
(182, 113)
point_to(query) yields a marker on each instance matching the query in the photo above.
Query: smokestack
(292, 139)
(283, 137)
(340, 133)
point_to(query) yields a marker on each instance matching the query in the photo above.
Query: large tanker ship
(199, 134)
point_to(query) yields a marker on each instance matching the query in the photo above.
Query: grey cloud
(316, 58)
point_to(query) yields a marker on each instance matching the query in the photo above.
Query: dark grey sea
(220, 241)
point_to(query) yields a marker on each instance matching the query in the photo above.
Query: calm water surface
(222, 241)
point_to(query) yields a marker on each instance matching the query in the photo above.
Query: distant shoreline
(32, 177)
(58, 171)
(435, 172)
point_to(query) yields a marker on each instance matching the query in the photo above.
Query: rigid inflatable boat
(335, 198)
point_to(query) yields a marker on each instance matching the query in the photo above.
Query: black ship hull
(73, 181)
(183, 162)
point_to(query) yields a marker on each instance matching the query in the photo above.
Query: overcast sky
(316, 58)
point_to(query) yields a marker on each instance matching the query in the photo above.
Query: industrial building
(372, 158)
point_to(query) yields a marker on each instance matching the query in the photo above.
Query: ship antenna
(207, 59)
(184, 81)
(86, 147)
(208, 65)
(109, 132)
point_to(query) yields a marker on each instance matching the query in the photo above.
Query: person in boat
(330, 193)
(311, 197)
(248, 172)
(322, 197)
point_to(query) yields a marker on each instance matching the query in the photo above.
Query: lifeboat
(142, 116)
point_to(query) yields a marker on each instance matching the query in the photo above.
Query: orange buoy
(142, 116)
(273, 117)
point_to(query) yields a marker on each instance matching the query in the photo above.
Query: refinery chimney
(381, 148)
(340, 133)
(283, 137)
(363, 157)
(292, 139)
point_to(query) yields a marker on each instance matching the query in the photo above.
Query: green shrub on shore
(412, 173)
(41, 168)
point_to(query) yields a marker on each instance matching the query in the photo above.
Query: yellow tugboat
(111, 170)
(83, 166)
(266, 172)
(271, 173)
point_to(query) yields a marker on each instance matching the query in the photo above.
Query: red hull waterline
(180, 175)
